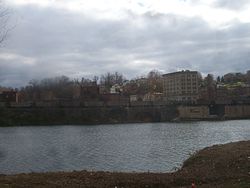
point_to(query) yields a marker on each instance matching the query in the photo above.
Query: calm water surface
(155, 147)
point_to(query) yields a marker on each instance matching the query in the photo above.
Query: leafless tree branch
(4, 20)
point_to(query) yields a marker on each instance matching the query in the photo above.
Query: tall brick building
(181, 86)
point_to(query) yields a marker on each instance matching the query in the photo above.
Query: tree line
(63, 87)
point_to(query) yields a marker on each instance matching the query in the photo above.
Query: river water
(154, 147)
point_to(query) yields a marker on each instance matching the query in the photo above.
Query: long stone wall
(89, 115)
(214, 112)
(237, 111)
(193, 112)
(10, 116)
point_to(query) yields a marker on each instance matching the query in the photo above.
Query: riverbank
(223, 166)
(85, 115)
(18, 116)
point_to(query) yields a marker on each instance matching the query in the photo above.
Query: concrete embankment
(42, 115)
(221, 166)
(213, 112)
(85, 115)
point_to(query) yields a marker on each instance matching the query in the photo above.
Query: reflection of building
(181, 86)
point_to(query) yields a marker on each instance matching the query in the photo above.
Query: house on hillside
(8, 96)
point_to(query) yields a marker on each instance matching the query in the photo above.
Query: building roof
(3, 89)
(180, 72)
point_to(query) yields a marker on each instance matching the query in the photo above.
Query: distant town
(183, 87)
(194, 96)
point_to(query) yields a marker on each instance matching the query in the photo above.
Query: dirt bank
(221, 166)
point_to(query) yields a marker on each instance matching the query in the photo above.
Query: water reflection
(157, 147)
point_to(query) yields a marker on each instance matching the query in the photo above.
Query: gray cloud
(50, 42)
(232, 4)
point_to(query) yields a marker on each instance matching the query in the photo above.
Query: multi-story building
(9, 96)
(181, 86)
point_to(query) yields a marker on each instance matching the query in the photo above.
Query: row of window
(182, 80)
(181, 88)
(182, 93)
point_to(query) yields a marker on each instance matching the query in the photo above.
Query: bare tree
(110, 79)
(4, 20)
(155, 82)
(60, 87)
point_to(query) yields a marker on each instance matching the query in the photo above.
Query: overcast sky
(83, 38)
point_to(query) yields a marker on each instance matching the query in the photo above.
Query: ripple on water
(156, 147)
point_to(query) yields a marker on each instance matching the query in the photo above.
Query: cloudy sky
(83, 38)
